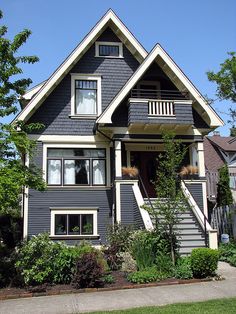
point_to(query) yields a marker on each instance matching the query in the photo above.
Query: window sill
(109, 57)
(74, 237)
(86, 117)
(93, 187)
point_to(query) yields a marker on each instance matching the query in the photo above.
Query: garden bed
(121, 282)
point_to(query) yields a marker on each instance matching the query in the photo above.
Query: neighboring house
(105, 107)
(219, 150)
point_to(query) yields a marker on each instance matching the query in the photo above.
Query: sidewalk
(123, 299)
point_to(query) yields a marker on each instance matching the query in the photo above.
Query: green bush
(108, 279)
(89, 271)
(204, 262)
(41, 260)
(227, 251)
(119, 236)
(164, 265)
(183, 268)
(144, 276)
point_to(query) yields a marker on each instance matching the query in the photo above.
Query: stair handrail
(201, 217)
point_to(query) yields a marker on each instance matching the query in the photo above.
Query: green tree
(224, 194)
(225, 79)
(14, 141)
(171, 201)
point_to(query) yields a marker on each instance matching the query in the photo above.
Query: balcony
(149, 106)
(159, 94)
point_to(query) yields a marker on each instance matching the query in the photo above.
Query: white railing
(163, 108)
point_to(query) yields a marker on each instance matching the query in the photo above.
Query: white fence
(164, 108)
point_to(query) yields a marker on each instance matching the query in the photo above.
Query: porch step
(190, 234)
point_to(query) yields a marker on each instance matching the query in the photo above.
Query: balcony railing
(163, 108)
(159, 94)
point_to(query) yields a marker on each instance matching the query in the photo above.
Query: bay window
(76, 166)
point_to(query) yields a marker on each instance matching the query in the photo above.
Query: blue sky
(196, 34)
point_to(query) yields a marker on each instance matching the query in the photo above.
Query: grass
(218, 306)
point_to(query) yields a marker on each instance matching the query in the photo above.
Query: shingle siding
(138, 113)
(54, 112)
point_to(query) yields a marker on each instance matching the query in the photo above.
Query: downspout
(113, 170)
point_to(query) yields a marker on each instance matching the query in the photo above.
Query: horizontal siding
(40, 203)
(130, 214)
(138, 113)
(197, 194)
(54, 112)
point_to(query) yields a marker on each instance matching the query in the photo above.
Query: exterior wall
(130, 214)
(138, 113)
(54, 112)
(40, 203)
(197, 194)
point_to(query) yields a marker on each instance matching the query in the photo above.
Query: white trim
(118, 204)
(118, 159)
(140, 202)
(159, 51)
(86, 77)
(85, 145)
(75, 210)
(26, 204)
(108, 43)
(69, 139)
(32, 91)
(56, 77)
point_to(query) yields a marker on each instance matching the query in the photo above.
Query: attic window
(109, 49)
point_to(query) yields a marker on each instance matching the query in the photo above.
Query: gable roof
(212, 156)
(158, 52)
(225, 143)
(109, 19)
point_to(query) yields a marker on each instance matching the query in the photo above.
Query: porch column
(201, 162)
(118, 165)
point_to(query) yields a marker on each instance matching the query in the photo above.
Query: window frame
(108, 43)
(85, 77)
(74, 211)
(90, 159)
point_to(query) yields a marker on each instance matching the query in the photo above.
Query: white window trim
(95, 145)
(87, 77)
(75, 210)
(108, 43)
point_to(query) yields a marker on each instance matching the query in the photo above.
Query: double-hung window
(85, 95)
(76, 166)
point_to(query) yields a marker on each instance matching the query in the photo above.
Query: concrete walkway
(123, 299)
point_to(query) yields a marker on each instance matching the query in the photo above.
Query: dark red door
(146, 162)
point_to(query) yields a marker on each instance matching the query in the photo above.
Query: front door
(146, 162)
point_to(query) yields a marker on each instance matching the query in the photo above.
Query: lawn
(214, 306)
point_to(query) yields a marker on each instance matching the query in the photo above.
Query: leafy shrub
(227, 251)
(65, 260)
(144, 276)
(89, 271)
(164, 265)
(112, 256)
(204, 262)
(232, 260)
(108, 279)
(119, 236)
(36, 260)
(41, 260)
(183, 268)
(128, 263)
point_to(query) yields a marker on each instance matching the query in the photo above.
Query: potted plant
(129, 172)
(189, 172)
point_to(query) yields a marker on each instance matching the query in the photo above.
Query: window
(109, 49)
(85, 95)
(74, 222)
(76, 166)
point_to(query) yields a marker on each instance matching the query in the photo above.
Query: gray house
(103, 108)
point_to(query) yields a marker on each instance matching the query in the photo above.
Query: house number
(148, 148)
